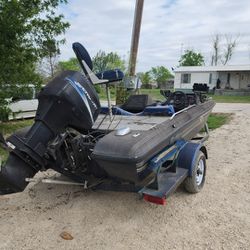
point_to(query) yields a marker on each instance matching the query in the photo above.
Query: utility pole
(122, 93)
(135, 36)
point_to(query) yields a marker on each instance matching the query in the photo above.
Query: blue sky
(168, 28)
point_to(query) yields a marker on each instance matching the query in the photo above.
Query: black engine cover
(69, 100)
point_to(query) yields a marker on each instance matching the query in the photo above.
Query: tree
(103, 61)
(71, 64)
(216, 46)
(145, 77)
(191, 58)
(51, 52)
(231, 44)
(28, 33)
(160, 74)
(223, 48)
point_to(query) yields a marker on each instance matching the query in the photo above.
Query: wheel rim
(200, 172)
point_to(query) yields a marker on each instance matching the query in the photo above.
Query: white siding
(223, 79)
(244, 80)
(235, 80)
(196, 77)
(177, 80)
(239, 76)
(220, 68)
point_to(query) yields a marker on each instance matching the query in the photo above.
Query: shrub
(98, 89)
(4, 113)
(146, 86)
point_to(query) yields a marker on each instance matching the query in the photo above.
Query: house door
(235, 80)
(244, 80)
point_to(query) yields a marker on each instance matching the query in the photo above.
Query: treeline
(31, 35)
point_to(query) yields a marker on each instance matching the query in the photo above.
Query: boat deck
(133, 122)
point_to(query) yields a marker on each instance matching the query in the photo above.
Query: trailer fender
(188, 154)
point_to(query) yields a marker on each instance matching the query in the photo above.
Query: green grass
(216, 120)
(155, 93)
(7, 128)
(231, 99)
(3, 155)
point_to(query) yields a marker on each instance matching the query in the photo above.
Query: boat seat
(86, 64)
(115, 75)
(82, 55)
(137, 103)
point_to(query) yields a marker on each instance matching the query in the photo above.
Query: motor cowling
(69, 100)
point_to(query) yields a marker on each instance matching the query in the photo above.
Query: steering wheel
(178, 99)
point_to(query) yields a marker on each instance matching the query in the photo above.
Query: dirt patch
(216, 218)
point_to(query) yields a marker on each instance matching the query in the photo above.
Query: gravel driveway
(216, 218)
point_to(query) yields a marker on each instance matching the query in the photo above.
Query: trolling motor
(69, 100)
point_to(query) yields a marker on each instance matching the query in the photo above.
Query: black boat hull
(124, 157)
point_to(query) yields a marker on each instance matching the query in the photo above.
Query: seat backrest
(137, 103)
(82, 55)
(85, 62)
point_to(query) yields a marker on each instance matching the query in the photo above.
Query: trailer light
(154, 199)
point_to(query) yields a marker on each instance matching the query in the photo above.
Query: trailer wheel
(194, 183)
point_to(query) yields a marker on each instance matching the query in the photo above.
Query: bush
(13, 93)
(146, 86)
(98, 89)
(4, 113)
(22, 93)
(4, 110)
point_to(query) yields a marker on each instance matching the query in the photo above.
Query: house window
(210, 78)
(185, 78)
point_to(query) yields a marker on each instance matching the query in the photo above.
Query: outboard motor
(69, 100)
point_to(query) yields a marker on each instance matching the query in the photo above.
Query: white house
(235, 77)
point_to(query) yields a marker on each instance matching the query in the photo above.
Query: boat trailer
(183, 162)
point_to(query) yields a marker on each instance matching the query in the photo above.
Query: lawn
(155, 93)
(216, 120)
(231, 99)
(7, 128)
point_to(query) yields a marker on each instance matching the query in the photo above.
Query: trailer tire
(194, 184)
